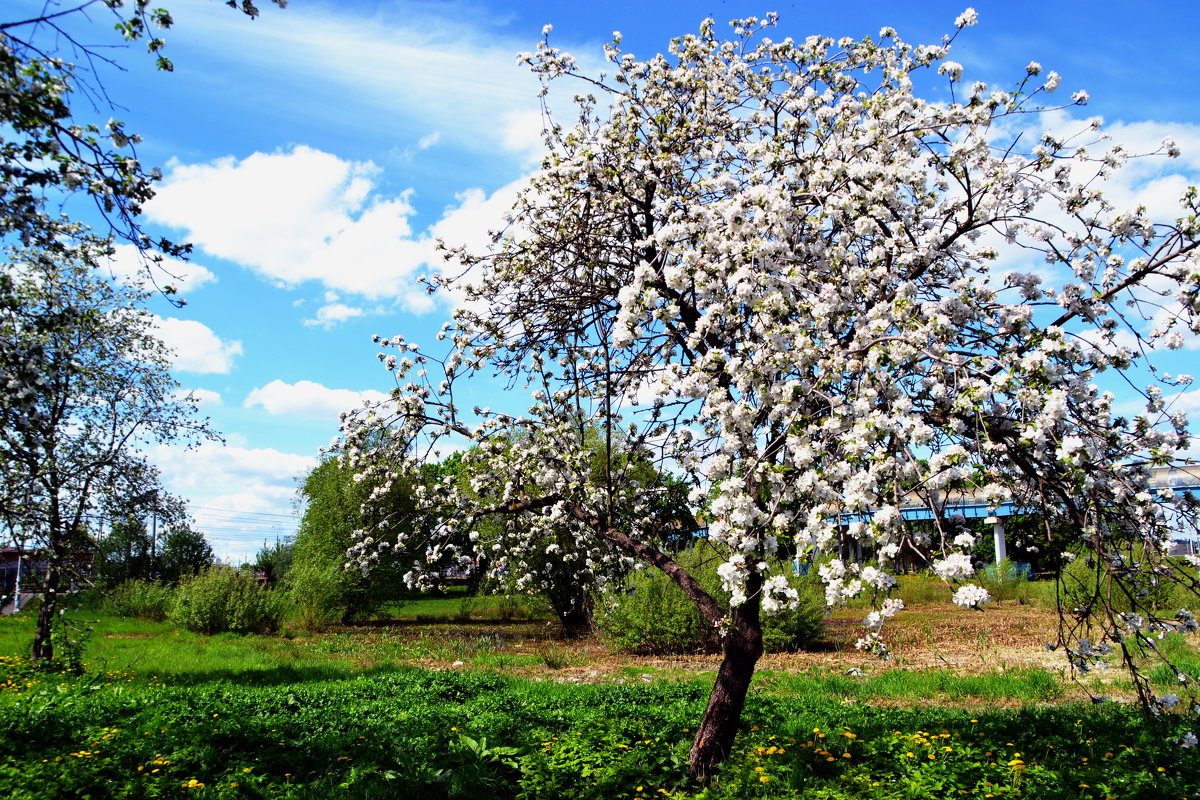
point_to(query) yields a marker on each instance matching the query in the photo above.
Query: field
(476, 698)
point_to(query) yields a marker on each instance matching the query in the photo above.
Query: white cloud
(130, 266)
(471, 224)
(331, 314)
(203, 397)
(196, 347)
(214, 467)
(306, 398)
(521, 132)
(306, 215)
(238, 496)
(1187, 402)
(429, 140)
(296, 216)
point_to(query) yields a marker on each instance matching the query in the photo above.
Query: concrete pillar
(998, 539)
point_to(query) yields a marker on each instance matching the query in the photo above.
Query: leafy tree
(185, 552)
(770, 264)
(125, 553)
(96, 386)
(49, 153)
(333, 511)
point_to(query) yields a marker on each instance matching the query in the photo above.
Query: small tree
(547, 561)
(96, 387)
(185, 552)
(770, 264)
(333, 510)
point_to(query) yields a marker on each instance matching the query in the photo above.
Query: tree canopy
(94, 388)
(773, 266)
(50, 151)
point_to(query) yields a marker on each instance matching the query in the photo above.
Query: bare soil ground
(1003, 637)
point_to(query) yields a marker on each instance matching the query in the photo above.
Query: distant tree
(125, 553)
(772, 265)
(274, 561)
(96, 386)
(184, 552)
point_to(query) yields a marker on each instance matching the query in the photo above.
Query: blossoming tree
(87, 387)
(771, 267)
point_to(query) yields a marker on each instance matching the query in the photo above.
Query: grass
(423, 734)
(456, 605)
(442, 704)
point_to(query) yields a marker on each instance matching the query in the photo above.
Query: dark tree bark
(576, 621)
(742, 648)
(43, 643)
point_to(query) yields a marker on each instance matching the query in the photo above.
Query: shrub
(141, 599)
(221, 599)
(651, 615)
(1007, 581)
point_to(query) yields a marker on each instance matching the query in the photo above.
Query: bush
(1006, 581)
(141, 599)
(1085, 583)
(653, 616)
(221, 599)
(318, 592)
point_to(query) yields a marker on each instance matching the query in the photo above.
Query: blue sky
(313, 155)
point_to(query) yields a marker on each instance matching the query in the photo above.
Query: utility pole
(154, 536)
(17, 588)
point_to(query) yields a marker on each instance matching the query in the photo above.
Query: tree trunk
(43, 643)
(742, 649)
(576, 622)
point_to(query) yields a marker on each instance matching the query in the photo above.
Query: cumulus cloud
(298, 215)
(196, 347)
(203, 397)
(129, 265)
(307, 398)
(306, 215)
(331, 314)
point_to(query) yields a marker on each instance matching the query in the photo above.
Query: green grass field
(384, 711)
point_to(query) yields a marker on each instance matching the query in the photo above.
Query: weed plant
(224, 600)
(146, 600)
(412, 733)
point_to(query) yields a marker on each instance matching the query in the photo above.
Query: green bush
(1085, 583)
(221, 599)
(1006, 581)
(651, 615)
(141, 599)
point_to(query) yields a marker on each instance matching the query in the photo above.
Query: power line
(256, 513)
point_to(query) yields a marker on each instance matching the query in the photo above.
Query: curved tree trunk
(742, 649)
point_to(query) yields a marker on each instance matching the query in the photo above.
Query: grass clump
(146, 600)
(225, 600)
